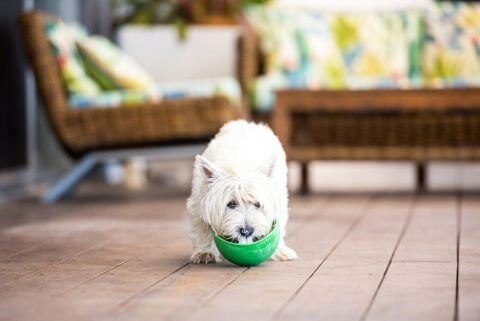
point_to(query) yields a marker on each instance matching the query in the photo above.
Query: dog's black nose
(246, 231)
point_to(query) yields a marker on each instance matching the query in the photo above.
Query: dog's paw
(203, 258)
(284, 253)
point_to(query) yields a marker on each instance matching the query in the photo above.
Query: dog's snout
(246, 231)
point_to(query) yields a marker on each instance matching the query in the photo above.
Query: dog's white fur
(244, 163)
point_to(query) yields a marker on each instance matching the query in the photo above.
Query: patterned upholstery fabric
(452, 45)
(305, 48)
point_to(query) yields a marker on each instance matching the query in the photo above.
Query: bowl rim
(264, 239)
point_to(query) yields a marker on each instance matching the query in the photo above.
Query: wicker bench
(416, 125)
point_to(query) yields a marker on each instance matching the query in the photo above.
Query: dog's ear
(269, 166)
(208, 169)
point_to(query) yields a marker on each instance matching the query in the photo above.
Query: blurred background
(112, 64)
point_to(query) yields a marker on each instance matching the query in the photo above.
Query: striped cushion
(62, 38)
(111, 67)
(199, 88)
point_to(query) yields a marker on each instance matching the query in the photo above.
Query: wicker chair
(93, 135)
(417, 125)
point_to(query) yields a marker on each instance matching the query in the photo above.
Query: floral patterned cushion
(451, 54)
(315, 49)
(435, 46)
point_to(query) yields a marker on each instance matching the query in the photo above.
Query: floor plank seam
(146, 289)
(35, 272)
(362, 214)
(210, 298)
(397, 244)
(35, 246)
(312, 216)
(422, 261)
(215, 294)
(459, 223)
(95, 276)
(32, 247)
(111, 268)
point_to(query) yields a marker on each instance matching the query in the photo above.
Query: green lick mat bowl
(249, 254)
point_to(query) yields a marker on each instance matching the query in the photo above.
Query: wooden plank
(433, 232)
(175, 297)
(19, 232)
(60, 289)
(129, 278)
(305, 209)
(342, 287)
(469, 261)
(35, 259)
(119, 248)
(420, 283)
(183, 295)
(29, 230)
(11, 245)
(60, 236)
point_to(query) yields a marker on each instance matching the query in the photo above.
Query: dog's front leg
(283, 252)
(204, 249)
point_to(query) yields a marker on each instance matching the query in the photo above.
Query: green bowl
(249, 254)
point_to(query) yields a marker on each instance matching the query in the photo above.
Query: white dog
(239, 190)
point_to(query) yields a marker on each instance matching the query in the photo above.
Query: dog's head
(239, 206)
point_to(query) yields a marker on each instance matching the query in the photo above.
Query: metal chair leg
(421, 177)
(89, 161)
(304, 176)
(74, 176)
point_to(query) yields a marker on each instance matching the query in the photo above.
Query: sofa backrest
(433, 46)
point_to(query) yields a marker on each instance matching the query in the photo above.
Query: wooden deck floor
(361, 258)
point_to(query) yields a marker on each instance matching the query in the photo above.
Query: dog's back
(242, 145)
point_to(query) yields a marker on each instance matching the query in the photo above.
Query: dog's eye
(257, 204)
(232, 204)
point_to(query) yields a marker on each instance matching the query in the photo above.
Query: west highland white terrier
(239, 190)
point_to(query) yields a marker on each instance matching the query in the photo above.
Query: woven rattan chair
(416, 125)
(93, 135)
